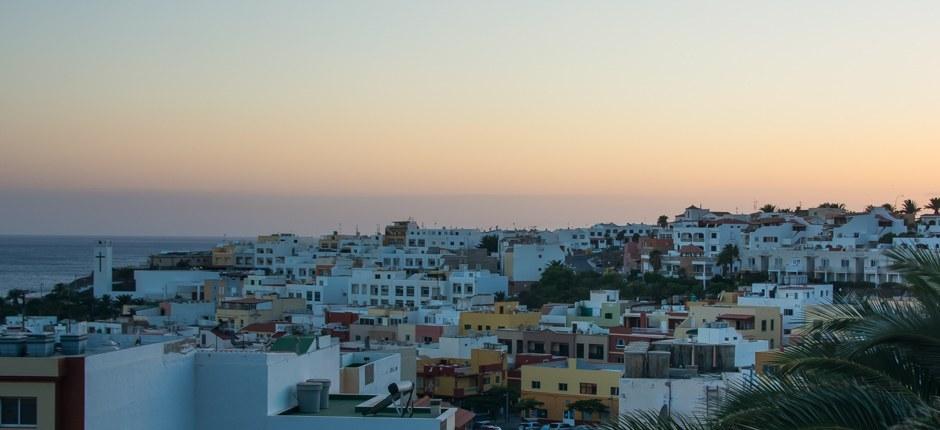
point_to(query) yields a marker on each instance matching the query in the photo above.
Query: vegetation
(727, 257)
(595, 407)
(662, 221)
(560, 284)
(863, 364)
(490, 243)
(831, 205)
(910, 207)
(66, 301)
(934, 205)
(768, 208)
(525, 405)
(493, 401)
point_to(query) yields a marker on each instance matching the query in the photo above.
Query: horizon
(107, 105)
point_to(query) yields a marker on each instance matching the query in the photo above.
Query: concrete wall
(239, 389)
(686, 396)
(140, 387)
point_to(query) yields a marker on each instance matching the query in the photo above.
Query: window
(588, 388)
(763, 325)
(771, 324)
(18, 411)
(562, 386)
(536, 385)
(614, 391)
(788, 312)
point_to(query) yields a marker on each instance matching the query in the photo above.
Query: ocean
(39, 262)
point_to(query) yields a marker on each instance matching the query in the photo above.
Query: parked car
(557, 426)
(530, 425)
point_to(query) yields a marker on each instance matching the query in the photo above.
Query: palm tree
(768, 208)
(863, 364)
(934, 205)
(910, 207)
(889, 207)
(728, 255)
(656, 260)
(662, 221)
(527, 404)
(17, 298)
(589, 406)
(831, 205)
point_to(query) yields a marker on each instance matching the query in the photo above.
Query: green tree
(663, 221)
(910, 207)
(595, 407)
(934, 205)
(526, 405)
(727, 257)
(862, 364)
(656, 260)
(768, 208)
(831, 205)
(490, 243)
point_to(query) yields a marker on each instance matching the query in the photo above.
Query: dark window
(596, 352)
(536, 385)
(614, 391)
(763, 325)
(587, 388)
(580, 350)
(18, 411)
(562, 386)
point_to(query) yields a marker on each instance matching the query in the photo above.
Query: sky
(211, 117)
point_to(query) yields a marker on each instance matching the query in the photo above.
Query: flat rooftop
(352, 405)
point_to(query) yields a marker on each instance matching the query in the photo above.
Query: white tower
(102, 268)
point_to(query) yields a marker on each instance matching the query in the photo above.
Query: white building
(696, 396)
(443, 237)
(525, 262)
(369, 372)
(371, 287)
(792, 301)
(457, 346)
(167, 284)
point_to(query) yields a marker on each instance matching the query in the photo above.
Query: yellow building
(753, 322)
(457, 378)
(558, 384)
(503, 315)
(31, 390)
(238, 313)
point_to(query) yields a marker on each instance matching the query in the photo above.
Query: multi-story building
(443, 237)
(558, 384)
(791, 300)
(373, 287)
(454, 378)
(524, 262)
(752, 322)
(237, 313)
(504, 315)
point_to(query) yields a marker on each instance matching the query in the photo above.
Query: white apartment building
(464, 284)
(375, 287)
(792, 301)
(524, 262)
(410, 258)
(444, 237)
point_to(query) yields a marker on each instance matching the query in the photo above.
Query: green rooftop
(295, 344)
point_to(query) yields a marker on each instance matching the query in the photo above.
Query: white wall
(687, 396)
(140, 388)
(165, 284)
(239, 389)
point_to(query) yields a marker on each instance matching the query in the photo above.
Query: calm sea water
(34, 262)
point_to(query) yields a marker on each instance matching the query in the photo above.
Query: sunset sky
(248, 117)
